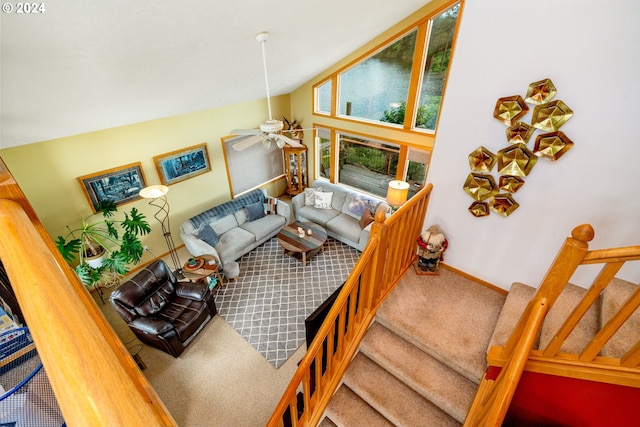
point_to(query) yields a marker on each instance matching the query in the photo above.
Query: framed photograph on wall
(120, 185)
(182, 164)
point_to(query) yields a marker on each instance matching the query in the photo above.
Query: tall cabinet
(295, 168)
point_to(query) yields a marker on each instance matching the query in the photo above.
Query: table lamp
(397, 194)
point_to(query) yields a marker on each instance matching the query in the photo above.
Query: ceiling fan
(271, 130)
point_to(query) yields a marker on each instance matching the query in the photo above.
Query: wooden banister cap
(583, 233)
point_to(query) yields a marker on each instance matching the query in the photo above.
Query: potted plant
(104, 244)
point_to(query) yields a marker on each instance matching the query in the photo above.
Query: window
(378, 87)
(417, 165)
(378, 83)
(323, 97)
(435, 69)
(367, 165)
(323, 159)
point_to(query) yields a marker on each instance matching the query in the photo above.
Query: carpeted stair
(422, 359)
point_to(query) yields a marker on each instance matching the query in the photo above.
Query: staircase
(422, 359)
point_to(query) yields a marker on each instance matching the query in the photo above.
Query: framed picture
(182, 164)
(120, 185)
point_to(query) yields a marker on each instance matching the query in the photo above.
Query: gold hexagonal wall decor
(519, 132)
(510, 109)
(540, 92)
(479, 209)
(480, 186)
(550, 116)
(482, 160)
(552, 145)
(510, 183)
(516, 160)
(503, 204)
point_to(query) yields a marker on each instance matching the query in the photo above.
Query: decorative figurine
(431, 245)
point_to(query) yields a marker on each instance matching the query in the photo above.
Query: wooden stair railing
(390, 251)
(95, 380)
(587, 365)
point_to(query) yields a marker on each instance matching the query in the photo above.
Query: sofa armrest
(297, 202)
(283, 209)
(197, 247)
(191, 290)
(151, 325)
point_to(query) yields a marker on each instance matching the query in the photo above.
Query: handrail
(508, 379)
(95, 380)
(588, 364)
(390, 251)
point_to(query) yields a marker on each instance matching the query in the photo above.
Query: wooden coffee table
(302, 248)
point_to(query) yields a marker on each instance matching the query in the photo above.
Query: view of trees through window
(377, 88)
(370, 87)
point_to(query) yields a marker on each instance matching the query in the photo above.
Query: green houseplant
(104, 243)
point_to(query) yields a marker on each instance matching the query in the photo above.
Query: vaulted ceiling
(82, 65)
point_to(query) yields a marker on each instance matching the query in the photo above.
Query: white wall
(590, 51)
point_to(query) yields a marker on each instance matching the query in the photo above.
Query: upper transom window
(401, 84)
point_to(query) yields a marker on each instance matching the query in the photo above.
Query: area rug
(274, 294)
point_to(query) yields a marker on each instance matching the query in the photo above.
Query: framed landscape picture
(120, 185)
(182, 164)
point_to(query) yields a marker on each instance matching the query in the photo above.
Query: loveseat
(345, 214)
(236, 227)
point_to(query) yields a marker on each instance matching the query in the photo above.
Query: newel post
(375, 281)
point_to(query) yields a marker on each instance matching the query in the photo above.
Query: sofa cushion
(323, 200)
(155, 301)
(234, 239)
(319, 216)
(270, 205)
(254, 211)
(337, 202)
(310, 195)
(241, 216)
(264, 226)
(367, 218)
(224, 224)
(209, 235)
(346, 226)
(355, 205)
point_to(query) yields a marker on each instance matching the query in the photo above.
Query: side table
(205, 267)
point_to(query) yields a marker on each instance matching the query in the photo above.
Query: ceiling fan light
(280, 143)
(271, 126)
(266, 143)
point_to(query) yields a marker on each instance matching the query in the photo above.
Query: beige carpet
(219, 380)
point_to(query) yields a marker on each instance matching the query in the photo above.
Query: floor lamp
(157, 194)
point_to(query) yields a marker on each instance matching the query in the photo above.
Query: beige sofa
(236, 227)
(346, 214)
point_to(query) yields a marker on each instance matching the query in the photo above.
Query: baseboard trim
(475, 279)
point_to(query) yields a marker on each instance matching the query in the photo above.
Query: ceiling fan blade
(247, 142)
(291, 142)
(244, 132)
(297, 130)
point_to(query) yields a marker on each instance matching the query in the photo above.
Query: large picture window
(367, 164)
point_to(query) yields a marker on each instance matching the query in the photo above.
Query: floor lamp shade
(154, 191)
(397, 193)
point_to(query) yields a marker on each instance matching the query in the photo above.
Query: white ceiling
(87, 65)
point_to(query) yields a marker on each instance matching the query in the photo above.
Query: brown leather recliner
(162, 311)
